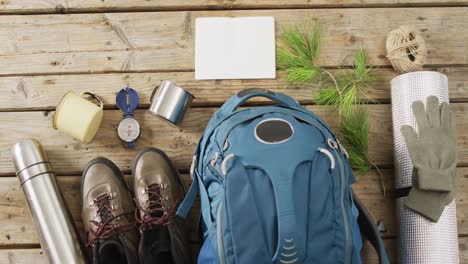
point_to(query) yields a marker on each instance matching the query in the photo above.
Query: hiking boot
(108, 214)
(158, 191)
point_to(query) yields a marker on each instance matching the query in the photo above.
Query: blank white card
(235, 48)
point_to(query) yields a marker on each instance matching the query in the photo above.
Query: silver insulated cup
(54, 223)
(170, 102)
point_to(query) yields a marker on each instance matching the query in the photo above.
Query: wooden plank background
(67, 6)
(102, 46)
(163, 41)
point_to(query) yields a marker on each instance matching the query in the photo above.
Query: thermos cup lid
(29, 159)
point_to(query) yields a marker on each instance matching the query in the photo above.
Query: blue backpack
(275, 187)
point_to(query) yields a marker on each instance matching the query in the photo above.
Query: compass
(129, 129)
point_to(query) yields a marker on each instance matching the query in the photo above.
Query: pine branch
(298, 52)
(297, 55)
(354, 132)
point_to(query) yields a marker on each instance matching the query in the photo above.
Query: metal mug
(77, 116)
(170, 101)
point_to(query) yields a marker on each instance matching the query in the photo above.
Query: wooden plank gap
(60, 9)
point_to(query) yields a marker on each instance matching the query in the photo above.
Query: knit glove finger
(429, 204)
(433, 151)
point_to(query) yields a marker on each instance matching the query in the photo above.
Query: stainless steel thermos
(170, 102)
(53, 221)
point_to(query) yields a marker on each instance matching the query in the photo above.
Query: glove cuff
(426, 203)
(435, 180)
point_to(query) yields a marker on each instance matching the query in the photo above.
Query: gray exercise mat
(420, 240)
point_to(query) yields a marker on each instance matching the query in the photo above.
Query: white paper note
(235, 48)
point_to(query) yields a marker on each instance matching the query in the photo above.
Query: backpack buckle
(332, 144)
(214, 159)
(343, 150)
(192, 167)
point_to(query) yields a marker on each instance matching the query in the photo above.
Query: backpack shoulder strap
(368, 228)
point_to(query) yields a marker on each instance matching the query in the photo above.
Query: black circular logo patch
(273, 131)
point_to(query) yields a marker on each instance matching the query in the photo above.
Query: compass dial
(128, 129)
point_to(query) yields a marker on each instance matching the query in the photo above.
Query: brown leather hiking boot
(108, 214)
(158, 191)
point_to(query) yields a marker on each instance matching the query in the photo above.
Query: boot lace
(106, 228)
(154, 212)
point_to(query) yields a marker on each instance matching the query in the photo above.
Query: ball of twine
(406, 49)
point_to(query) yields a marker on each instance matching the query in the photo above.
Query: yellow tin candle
(77, 116)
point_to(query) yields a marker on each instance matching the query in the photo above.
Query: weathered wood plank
(17, 224)
(70, 156)
(122, 42)
(37, 256)
(18, 227)
(60, 6)
(44, 92)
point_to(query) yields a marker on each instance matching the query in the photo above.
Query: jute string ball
(406, 49)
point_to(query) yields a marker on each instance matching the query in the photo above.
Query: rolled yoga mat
(420, 240)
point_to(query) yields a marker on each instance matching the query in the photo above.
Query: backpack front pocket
(248, 232)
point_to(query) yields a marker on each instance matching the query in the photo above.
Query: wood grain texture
(70, 156)
(61, 6)
(18, 229)
(44, 92)
(16, 221)
(163, 41)
(38, 256)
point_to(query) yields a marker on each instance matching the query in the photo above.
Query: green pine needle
(354, 132)
(349, 100)
(327, 96)
(363, 74)
(298, 51)
(360, 64)
(285, 59)
(352, 86)
(297, 76)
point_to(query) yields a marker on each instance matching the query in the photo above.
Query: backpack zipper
(348, 245)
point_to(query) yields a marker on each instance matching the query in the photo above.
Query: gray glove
(430, 204)
(434, 152)
(434, 156)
